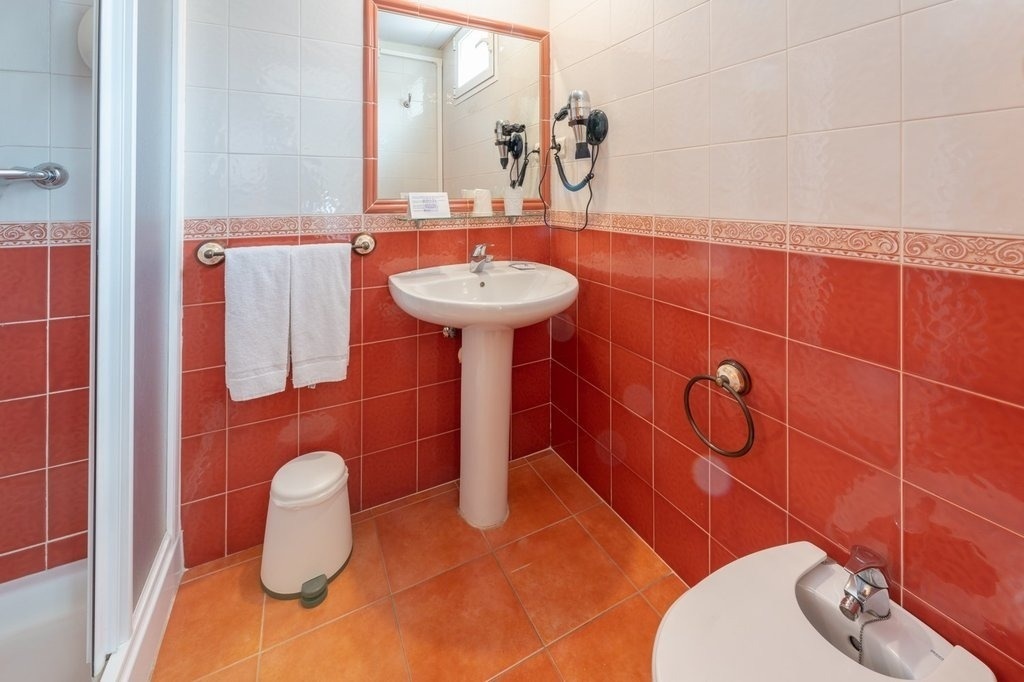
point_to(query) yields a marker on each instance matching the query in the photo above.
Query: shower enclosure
(89, 552)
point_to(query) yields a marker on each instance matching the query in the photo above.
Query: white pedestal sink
(487, 306)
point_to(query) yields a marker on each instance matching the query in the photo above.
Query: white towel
(321, 299)
(256, 292)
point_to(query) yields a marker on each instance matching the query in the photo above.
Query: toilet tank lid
(309, 477)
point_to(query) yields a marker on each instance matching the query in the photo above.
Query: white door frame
(110, 558)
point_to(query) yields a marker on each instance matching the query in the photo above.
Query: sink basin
(487, 306)
(774, 615)
(500, 294)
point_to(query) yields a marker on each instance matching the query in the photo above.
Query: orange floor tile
(564, 590)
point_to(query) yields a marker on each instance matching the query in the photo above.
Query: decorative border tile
(668, 226)
(272, 226)
(996, 254)
(78, 232)
(330, 224)
(767, 235)
(1001, 255)
(206, 228)
(846, 241)
(23, 234)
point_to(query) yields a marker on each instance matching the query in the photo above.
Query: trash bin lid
(308, 478)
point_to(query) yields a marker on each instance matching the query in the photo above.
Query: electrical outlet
(561, 142)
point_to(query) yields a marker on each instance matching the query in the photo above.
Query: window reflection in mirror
(440, 89)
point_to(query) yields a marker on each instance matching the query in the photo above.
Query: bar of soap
(523, 266)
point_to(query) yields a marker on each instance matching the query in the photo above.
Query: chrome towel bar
(212, 253)
(46, 175)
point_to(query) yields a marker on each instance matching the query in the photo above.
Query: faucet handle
(863, 558)
(480, 250)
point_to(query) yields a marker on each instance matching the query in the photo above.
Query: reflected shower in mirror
(445, 92)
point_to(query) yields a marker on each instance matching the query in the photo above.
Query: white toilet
(308, 540)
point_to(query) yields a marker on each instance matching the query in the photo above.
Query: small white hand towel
(256, 293)
(321, 300)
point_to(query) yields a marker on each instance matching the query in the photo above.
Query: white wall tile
(562, 10)
(748, 180)
(681, 48)
(64, 56)
(73, 201)
(846, 177)
(533, 13)
(629, 17)
(963, 56)
(964, 172)
(666, 9)
(624, 186)
(851, 79)
(683, 114)
(912, 5)
(23, 201)
(25, 35)
(749, 101)
(813, 19)
(634, 126)
(330, 128)
(679, 182)
(263, 62)
(331, 185)
(206, 185)
(746, 29)
(24, 109)
(263, 124)
(206, 56)
(276, 16)
(628, 67)
(71, 120)
(263, 185)
(206, 120)
(582, 37)
(209, 11)
(340, 22)
(332, 70)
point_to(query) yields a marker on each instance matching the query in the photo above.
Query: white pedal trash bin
(308, 540)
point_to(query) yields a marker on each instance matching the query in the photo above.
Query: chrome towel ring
(734, 378)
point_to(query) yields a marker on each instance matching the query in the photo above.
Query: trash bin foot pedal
(314, 591)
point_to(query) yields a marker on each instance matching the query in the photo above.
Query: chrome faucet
(867, 588)
(479, 258)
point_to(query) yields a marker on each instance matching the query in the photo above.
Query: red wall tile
(442, 248)
(632, 381)
(682, 477)
(680, 542)
(633, 499)
(202, 336)
(594, 306)
(257, 451)
(964, 565)
(595, 464)
(532, 343)
(439, 408)
(849, 306)
(965, 448)
(763, 468)
(631, 263)
(203, 401)
(389, 474)
(961, 329)
(23, 433)
(23, 371)
(748, 286)
(634, 322)
(742, 520)
(438, 459)
(382, 318)
(764, 357)
(23, 508)
(336, 392)
(846, 500)
(530, 431)
(68, 428)
(531, 385)
(334, 429)
(44, 406)
(847, 403)
(389, 366)
(203, 466)
(23, 281)
(498, 240)
(67, 499)
(594, 255)
(389, 421)
(531, 243)
(247, 517)
(681, 339)
(70, 268)
(681, 273)
(594, 360)
(632, 441)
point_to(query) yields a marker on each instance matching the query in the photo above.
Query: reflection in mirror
(441, 88)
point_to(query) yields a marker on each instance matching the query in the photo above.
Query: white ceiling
(401, 28)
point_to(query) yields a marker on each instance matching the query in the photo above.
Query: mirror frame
(371, 202)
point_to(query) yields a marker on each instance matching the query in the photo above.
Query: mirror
(435, 84)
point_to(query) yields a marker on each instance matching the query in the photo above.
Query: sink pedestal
(486, 401)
